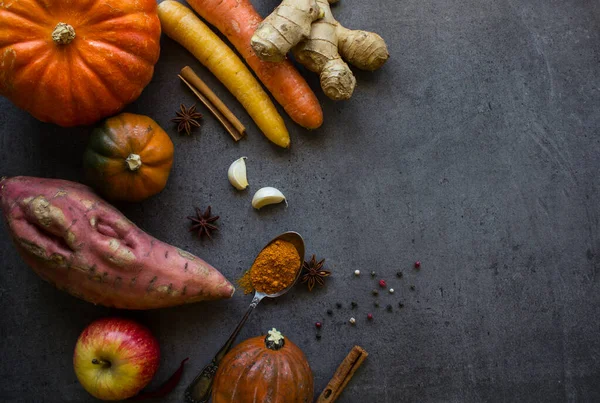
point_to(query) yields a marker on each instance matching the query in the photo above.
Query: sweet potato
(82, 245)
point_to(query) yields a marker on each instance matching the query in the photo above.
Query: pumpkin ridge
(278, 362)
(300, 357)
(139, 142)
(154, 164)
(244, 372)
(258, 363)
(295, 375)
(154, 160)
(21, 43)
(69, 73)
(18, 69)
(126, 74)
(97, 95)
(98, 16)
(112, 175)
(109, 90)
(41, 24)
(124, 144)
(43, 7)
(111, 150)
(112, 45)
(22, 20)
(40, 82)
(296, 354)
(148, 181)
(18, 74)
(84, 10)
(92, 23)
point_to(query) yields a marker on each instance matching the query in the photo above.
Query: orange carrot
(237, 20)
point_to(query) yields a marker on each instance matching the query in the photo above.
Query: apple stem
(104, 363)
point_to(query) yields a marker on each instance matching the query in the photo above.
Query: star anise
(187, 119)
(314, 273)
(203, 222)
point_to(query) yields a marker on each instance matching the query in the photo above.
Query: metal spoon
(200, 389)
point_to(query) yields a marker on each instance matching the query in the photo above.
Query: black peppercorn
(329, 312)
(338, 305)
(412, 287)
(354, 304)
(375, 292)
(399, 274)
(376, 304)
(400, 305)
(318, 337)
(389, 308)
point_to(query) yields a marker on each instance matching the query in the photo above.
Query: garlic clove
(237, 174)
(265, 196)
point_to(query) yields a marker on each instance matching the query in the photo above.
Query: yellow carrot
(181, 24)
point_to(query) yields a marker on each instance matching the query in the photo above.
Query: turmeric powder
(274, 269)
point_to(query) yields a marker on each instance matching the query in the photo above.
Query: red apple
(115, 358)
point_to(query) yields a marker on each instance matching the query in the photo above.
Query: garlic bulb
(265, 196)
(237, 174)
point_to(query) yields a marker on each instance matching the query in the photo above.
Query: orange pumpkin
(76, 62)
(266, 369)
(128, 158)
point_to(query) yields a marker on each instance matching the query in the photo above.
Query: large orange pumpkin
(76, 62)
(266, 369)
(128, 158)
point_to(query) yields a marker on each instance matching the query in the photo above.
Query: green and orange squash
(128, 158)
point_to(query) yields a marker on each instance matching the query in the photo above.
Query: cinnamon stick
(342, 375)
(188, 74)
(226, 124)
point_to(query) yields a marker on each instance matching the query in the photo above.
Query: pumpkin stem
(134, 162)
(63, 34)
(274, 340)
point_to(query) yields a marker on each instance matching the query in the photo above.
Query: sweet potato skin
(84, 246)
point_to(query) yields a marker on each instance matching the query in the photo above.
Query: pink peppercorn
(318, 325)
(417, 264)
(382, 283)
(370, 316)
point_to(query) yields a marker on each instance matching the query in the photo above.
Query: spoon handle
(200, 389)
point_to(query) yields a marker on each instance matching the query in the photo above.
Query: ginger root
(289, 24)
(319, 42)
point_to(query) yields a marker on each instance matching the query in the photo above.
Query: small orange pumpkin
(76, 62)
(128, 158)
(266, 369)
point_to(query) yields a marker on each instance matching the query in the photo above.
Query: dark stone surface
(476, 150)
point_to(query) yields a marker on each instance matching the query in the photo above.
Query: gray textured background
(476, 149)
